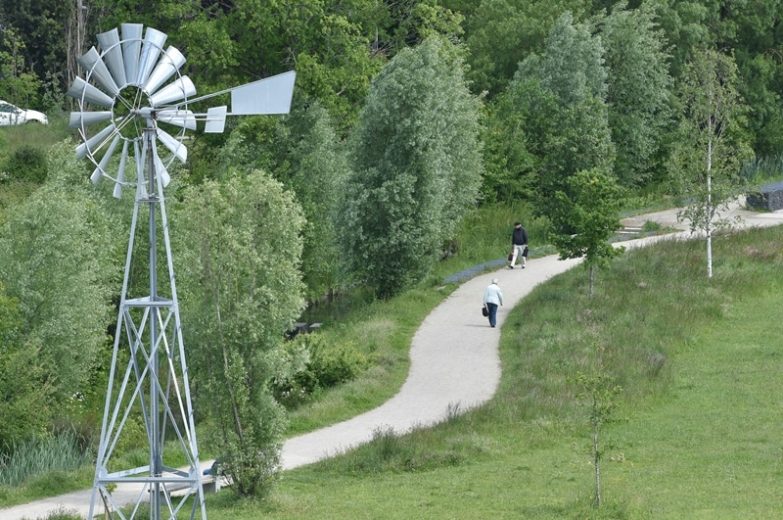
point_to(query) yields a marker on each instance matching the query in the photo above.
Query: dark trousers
(493, 313)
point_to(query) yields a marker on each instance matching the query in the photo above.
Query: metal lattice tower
(148, 379)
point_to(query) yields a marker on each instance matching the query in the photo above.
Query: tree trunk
(708, 216)
(597, 464)
(591, 280)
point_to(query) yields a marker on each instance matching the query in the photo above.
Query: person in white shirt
(493, 298)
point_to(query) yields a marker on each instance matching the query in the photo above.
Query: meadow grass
(694, 434)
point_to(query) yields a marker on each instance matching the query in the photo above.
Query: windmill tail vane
(133, 97)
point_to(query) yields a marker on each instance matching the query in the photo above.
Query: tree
(560, 97)
(500, 33)
(711, 145)
(601, 391)
(26, 406)
(18, 84)
(639, 92)
(238, 246)
(416, 167)
(584, 217)
(306, 155)
(55, 253)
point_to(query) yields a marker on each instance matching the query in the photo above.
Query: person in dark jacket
(518, 245)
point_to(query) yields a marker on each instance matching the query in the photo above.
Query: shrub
(311, 364)
(27, 163)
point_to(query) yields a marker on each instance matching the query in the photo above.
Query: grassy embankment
(695, 430)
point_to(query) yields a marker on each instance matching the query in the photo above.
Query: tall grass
(762, 170)
(53, 453)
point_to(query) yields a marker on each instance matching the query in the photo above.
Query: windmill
(131, 98)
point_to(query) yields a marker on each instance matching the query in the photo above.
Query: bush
(27, 163)
(313, 364)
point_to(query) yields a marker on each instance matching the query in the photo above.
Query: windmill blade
(181, 118)
(92, 62)
(112, 55)
(266, 96)
(131, 46)
(150, 50)
(78, 119)
(179, 89)
(171, 61)
(83, 90)
(216, 120)
(174, 145)
(93, 143)
(97, 174)
(117, 193)
(160, 169)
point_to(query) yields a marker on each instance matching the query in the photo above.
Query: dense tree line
(406, 114)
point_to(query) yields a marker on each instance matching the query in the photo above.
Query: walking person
(518, 245)
(493, 298)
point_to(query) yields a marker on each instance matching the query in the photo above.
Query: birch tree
(710, 147)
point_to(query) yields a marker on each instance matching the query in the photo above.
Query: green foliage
(502, 32)
(585, 216)
(27, 163)
(705, 162)
(560, 98)
(19, 85)
(304, 153)
(238, 246)
(312, 364)
(416, 167)
(639, 92)
(54, 262)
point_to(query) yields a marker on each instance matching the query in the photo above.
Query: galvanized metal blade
(80, 89)
(141, 184)
(93, 143)
(175, 91)
(131, 47)
(171, 61)
(181, 118)
(150, 50)
(174, 145)
(97, 174)
(112, 55)
(96, 70)
(160, 169)
(77, 119)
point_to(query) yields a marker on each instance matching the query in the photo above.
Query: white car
(11, 115)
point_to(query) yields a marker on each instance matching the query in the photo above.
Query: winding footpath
(455, 364)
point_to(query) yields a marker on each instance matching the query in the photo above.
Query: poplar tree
(416, 167)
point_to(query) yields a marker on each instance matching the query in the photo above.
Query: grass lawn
(694, 430)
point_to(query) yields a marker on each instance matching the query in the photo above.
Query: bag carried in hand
(510, 256)
(524, 253)
(484, 312)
